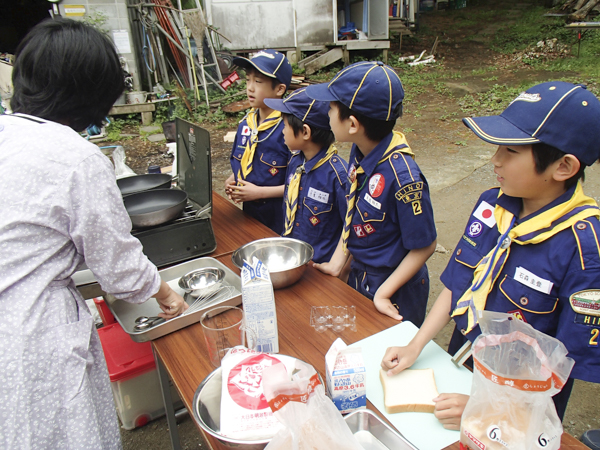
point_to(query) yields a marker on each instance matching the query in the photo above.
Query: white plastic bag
(311, 419)
(517, 370)
(122, 170)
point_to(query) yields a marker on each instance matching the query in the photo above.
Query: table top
(184, 353)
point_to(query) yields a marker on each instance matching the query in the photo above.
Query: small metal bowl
(202, 281)
(285, 258)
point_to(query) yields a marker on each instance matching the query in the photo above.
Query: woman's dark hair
(375, 129)
(544, 155)
(321, 136)
(67, 72)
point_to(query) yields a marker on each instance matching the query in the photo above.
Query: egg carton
(336, 318)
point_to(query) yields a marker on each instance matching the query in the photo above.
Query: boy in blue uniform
(259, 156)
(389, 228)
(531, 246)
(314, 205)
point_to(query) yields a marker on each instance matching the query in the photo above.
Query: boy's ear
(280, 90)
(306, 132)
(354, 125)
(568, 166)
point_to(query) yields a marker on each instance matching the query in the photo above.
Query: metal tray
(374, 434)
(126, 313)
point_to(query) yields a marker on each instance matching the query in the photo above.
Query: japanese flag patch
(246, 130)
(485, 213)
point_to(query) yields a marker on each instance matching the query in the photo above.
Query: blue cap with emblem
(563, 115)
(371, 88)
(270, 63)
(313, 112)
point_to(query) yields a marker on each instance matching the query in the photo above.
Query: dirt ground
(455, 163)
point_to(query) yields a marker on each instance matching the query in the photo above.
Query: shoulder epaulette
(340, 167)
(588, 246)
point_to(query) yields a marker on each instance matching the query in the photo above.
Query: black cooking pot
(139, 183)
(155, 207)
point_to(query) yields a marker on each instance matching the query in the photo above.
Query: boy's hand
(449, 409)
(385, 306)
(327, 268)
(229, 186)
(245, 192)
(396, 359)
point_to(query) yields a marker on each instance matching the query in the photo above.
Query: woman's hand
(171, 303)
(396, 359)
(449, 409)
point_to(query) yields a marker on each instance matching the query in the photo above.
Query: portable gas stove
(191, 235)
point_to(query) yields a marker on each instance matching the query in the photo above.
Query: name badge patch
(485, 213)
(371, 201)
(531, 280)
(586, 302)
(317, 195)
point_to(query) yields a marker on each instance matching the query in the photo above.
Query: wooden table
(183, 357)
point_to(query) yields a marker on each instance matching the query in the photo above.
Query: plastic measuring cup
(225, 327)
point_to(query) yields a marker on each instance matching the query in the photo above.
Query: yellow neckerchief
(291, 199)
(252, 120)
(532, 231)
(398, 144)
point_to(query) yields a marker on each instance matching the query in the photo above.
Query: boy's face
(515, 169)
(339, 127)
(293, 142)
(259, 87)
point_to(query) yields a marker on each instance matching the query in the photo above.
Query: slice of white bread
(412, 390)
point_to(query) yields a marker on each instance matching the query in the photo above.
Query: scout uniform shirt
(268, 166)
(553, 285)
(321, 202)
(393, 216)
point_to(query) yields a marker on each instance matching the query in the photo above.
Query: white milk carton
(346, 377)
(259, 305)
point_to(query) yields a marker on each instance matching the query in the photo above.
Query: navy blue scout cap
(563, 115)
(313, 112)
(370, 88)
(270, 63)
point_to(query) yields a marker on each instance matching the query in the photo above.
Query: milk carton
(259, 305)
(346, 377)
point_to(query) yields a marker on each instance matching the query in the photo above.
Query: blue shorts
(410, 299)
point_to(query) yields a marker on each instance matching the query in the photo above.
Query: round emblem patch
(245, 381)
(376, 185)
(475, 228)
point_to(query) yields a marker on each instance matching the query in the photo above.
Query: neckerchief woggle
(252, 120)
(291, 199)
(398, 144)
(532, 231)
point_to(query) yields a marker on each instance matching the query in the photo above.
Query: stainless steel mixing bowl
(285, 258)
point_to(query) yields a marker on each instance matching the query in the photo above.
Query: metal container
(285, 258)
(372, 433)
(368, 429)
(207, 411)
(202, 281)
(126, 313)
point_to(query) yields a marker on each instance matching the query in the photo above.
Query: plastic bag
(517, 370)
(117, 154)
(311, 419)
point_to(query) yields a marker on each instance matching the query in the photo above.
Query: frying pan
(155, 207)
(144, 182)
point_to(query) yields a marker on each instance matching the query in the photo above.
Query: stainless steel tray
(126, 313)
(374, 434)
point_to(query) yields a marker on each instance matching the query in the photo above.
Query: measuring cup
(225, 327)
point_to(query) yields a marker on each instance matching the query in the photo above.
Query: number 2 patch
(416, 206)
(595, 332)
